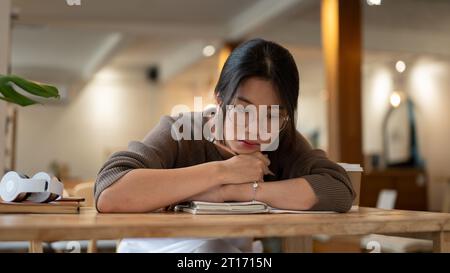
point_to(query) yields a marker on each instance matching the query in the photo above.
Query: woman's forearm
(294, 194)
(144, 190)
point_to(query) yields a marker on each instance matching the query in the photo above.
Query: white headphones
(16, 187)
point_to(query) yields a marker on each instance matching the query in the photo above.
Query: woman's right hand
(244, 168)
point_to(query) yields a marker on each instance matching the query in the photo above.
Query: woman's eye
(242, 109)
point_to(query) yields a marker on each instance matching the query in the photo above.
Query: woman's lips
(249, 143)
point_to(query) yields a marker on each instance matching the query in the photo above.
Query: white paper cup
(354, 172)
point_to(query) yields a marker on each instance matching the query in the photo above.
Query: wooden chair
(85, 190)
(393, 244)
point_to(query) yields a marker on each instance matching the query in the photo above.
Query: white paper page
(274, 210)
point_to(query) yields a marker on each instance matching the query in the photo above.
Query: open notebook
(200, 207)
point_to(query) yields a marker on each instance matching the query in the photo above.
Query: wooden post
(341, 37)
(92, 246)
(36, 247)
(441, 242)
(301, 244)
(5, 23)
(225, 52)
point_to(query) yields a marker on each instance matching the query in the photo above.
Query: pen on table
(233, 152)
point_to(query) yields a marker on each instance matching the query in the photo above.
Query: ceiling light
(400, 66)
(209, 50)
(395, 99)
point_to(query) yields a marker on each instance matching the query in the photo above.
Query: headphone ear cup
(39, 197)
(48, 195)
(9, 187)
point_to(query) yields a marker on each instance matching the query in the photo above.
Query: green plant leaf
(9, 94)
(45, 91)
(51, 89)
(37, 89)
(7, 99)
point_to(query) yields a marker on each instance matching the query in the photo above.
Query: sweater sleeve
(158, 150)
(328, 180)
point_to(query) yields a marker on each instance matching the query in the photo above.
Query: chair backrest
(85, 190)
(386, 199)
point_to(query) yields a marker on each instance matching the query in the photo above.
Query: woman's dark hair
(262, 59)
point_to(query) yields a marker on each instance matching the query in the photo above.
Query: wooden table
(296, 228)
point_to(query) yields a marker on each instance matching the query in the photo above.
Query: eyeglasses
(268, 116)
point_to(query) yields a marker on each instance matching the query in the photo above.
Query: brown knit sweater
(158, 150)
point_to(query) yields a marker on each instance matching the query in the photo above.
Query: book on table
(252, 207)
(61, 206)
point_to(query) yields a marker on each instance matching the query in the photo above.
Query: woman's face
(254, 92)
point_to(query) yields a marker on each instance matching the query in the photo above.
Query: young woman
(161, 171)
